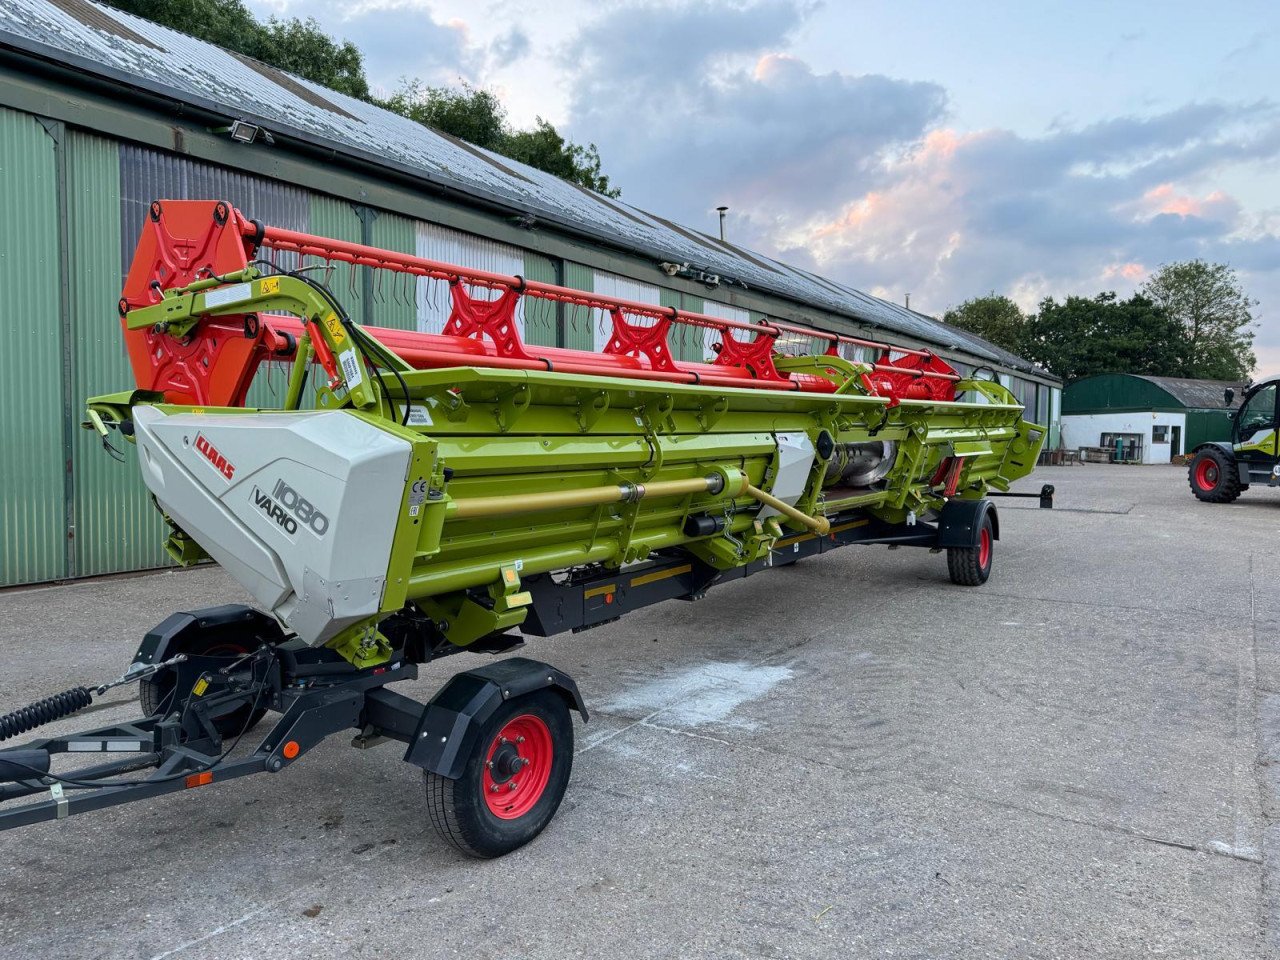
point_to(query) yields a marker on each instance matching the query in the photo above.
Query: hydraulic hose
(44, 711)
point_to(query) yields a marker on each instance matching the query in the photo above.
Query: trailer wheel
(513, 781)
(970, 566)
(160, 692)
(1213, 476)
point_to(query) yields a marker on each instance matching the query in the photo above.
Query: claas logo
(210, 453)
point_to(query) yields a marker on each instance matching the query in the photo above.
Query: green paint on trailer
(33, 517)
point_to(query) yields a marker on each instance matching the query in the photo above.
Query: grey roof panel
(1201, 394)
(108, 43)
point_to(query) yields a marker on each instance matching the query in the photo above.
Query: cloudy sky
(928, 147)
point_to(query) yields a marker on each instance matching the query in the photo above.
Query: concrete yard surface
(850, 757)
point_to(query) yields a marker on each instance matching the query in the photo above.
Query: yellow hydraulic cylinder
(819, 525)
(505, 506)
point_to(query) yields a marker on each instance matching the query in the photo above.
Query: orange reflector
(291, 749)
(200, 779)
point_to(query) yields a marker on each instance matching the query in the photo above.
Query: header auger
(417, 494)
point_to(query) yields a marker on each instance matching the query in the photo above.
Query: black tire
(1214, 476)
(160, 692)
(461, 810)
(971, 566)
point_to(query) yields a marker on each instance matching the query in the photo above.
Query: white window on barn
(466, 250)
(612, 285)
(856, 354)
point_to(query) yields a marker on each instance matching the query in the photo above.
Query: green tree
(1084, 336)
(1215, 313)
(994, 317)
(478, 116)
(544, 148)
(302, 48)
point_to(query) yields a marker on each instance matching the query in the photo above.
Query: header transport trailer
(420, 494)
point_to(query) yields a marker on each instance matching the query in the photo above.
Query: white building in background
(1146, 419)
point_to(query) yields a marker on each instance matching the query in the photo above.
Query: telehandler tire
(1213, 476)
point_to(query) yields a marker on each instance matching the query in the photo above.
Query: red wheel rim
(1206, 474)
(517, 767)
(984, 547)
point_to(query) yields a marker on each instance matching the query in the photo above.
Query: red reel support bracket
(184, 241)
(496, 319)
(188, 240)
(755, 355)
(633, 340)
(916, 376)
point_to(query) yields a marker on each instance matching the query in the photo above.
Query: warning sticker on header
(224, 295)
(417, 416)
(351, 371)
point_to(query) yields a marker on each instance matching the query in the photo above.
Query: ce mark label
(417, 493)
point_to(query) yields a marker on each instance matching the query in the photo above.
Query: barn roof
(1201, 394)
(105, 43)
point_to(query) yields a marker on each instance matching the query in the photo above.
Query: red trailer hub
(518, 767)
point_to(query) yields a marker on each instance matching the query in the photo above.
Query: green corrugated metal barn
(1153, 418)
(101, 112)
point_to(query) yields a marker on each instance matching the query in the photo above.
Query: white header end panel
(300, 508)
(795, 460)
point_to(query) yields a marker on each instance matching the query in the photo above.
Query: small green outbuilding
(1149, 419)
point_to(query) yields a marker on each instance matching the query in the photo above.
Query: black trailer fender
(452, 720)
(172, 634)
(960, 521)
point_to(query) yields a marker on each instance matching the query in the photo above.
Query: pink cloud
(1133, 272)
(773, 66)
(917, 218)
(1164, 199)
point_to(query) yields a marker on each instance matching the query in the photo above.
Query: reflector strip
(98, 746)
(660, 575)
(850, 525)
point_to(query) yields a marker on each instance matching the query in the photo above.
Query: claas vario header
(418, 494)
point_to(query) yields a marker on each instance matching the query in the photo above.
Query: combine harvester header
(418, 494)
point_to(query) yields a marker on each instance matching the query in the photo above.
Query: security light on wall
(242, 131)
